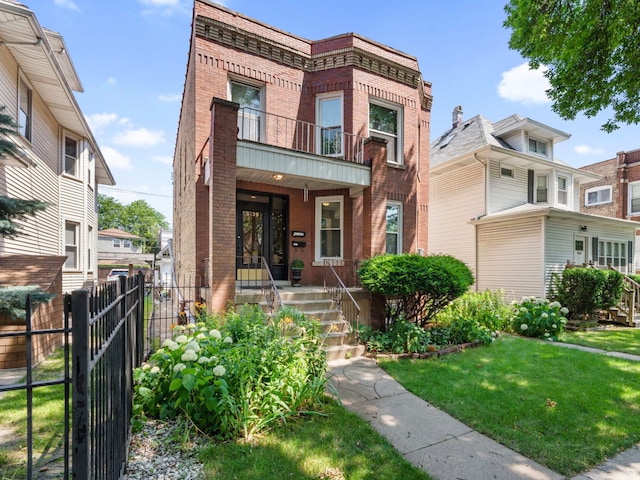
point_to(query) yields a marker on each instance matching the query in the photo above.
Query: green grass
(618, 339)
(48, 421)
(564, 408)
(307, 447)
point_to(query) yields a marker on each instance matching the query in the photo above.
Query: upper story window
(634, 198)
(563, 190)
(506, 171)
(71, 154)
(329, 227)
(385, 121)
(329, 121)
(126, 243)
(537, 146)
(542, 188)
(250, 99)
(394, 227)
(71, 245)
(24, 112)
(597, 195)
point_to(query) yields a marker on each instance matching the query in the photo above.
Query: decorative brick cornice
(234, 37)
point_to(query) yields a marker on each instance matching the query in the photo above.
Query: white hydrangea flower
(544, 315)
(146, 366)
(547, 334)
(155, 369)
(524, 299)
(193, 345)
(178, 367)
(189, 356)
(203, 360)
(514, 302)
(172, 345)
(167, 342)
(524, 326)
(182, 339)
(555, 305)
(179, 328)
(201, 336)
(215, 333)
(228, 340)
(219, 371)
(523, 310)
(191, 326)
(564, 310)
(554, 326)
(213, 359)
(160, 351)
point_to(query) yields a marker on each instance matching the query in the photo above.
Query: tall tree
(138, 218)
(591, 50)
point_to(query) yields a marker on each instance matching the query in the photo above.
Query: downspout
(486, 194)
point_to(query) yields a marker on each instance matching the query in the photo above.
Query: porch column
(222, 203)
(375, 199)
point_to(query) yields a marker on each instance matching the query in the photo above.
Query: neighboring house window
(634, 198)
(116, 243)
(249, 98)
(563, 190)
(612, 253)
(126, 243)
(329, 227)
(89, 243)
(385, 121)
(537, 146)
(507, 171)
(90, 170)
(597, 196)
(70, 156)
(71, 245)
(24, 114)
(329, 121)
(394, 227)
(542, 188)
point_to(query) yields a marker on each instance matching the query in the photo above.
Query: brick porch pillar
(222, 203)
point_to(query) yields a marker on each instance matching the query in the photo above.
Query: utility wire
(133, 191)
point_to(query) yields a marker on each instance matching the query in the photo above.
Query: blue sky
(131, 58)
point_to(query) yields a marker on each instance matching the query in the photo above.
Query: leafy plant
(585, 290)
(486, 311)
(415, 286)
(538, 318)
(297, 263)
(236, 374)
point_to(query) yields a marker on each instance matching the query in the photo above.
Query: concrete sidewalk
(439, 444)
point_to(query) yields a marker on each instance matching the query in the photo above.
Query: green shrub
(538, 318)
(415, 286)
(235, 375)
(402, 337)
(585, 290)
(487, 309)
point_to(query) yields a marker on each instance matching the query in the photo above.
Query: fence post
(140, 317)
(80, 356)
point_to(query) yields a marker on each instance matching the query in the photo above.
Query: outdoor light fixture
(278, 176)
(583, 228)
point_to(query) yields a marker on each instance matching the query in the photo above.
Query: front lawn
(564, 408)
(617, 339)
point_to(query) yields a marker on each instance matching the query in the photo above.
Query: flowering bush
(231, 383)
(539, 318)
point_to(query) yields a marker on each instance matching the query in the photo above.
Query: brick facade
(291, 71)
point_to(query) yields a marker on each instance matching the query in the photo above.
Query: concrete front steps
(314, 302)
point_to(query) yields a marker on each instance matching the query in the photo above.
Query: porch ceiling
(259, 163)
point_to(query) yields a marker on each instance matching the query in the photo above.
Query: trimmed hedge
(585, 290)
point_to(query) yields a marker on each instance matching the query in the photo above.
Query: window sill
(336, 262)
(399, 166)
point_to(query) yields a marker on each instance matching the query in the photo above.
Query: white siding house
(504, 205)
(59, 160)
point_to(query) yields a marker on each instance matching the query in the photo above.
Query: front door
(261, 233)
(580, 250)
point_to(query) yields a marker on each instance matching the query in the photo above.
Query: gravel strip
(154, 453)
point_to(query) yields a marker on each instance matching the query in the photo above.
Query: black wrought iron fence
(103, 341)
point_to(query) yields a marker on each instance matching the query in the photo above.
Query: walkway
(444, 447)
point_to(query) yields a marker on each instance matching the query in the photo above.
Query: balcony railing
(270, 129)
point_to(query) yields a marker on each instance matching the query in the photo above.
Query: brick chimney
(456, 116)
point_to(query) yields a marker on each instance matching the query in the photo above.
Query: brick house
(289, 148)
(617, 193)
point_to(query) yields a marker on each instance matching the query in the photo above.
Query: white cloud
(521, 84)
(170, 97)
(165, 7)
(165, 160)
(98, 120)
(112, 82)
(66, 4)
(116, 160)
(587, 150)
(140, 137)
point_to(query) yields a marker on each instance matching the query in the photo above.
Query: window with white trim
(71, 156)
(329, 227)
(126, 243)
(612, 253)
(24, 112)
(385, 121)
(507, 171)
(597, 196)
(250, 99)
(116, 243)
(394, 227)
(329, 120)
(542, 188)
(634, 198)
(563, 190)
(71, 246)
(537, 146)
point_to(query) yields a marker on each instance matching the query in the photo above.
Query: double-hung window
(116, 243)
(71, 154)
(385, 121)
(634, 198)
(563, 190)
(329, 120)
(542, 188)
(250, 122)
(329, 227)
(71, 245)
(394, 227)
(537, 146)
(24, 112)
(597, 196)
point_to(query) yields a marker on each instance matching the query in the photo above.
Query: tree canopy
(591, 50)
(138, 218)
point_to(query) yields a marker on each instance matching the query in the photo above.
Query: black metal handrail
(269, 288)
(341, 296)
